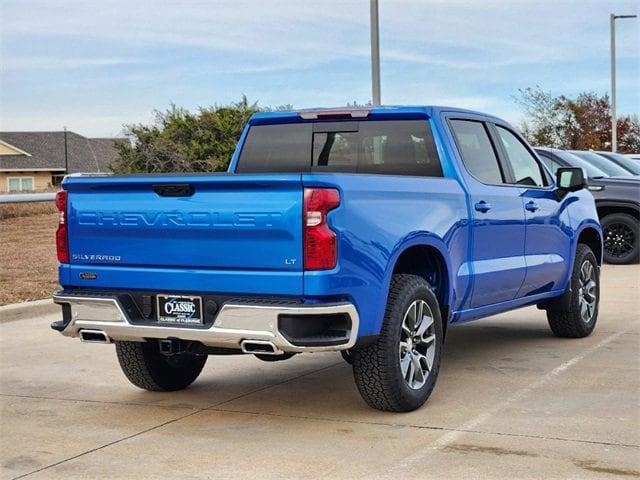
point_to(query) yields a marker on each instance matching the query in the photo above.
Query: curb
(19, 311)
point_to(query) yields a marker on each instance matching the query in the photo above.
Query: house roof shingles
(46, 150)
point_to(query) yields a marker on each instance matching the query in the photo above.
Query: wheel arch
(426, 256)
(592, 237)
(589, 233)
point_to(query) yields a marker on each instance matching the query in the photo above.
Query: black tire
(565, 315)
(621, 234)
(376, 367)
(147, 368)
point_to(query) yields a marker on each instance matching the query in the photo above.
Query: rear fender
(426, 239)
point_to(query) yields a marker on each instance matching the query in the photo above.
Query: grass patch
(27, 209)
(28, 262)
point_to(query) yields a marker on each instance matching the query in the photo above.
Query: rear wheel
(398, 372)
(621, 232)
(147, 368)
(575, 315)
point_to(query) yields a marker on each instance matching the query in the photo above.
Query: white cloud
(65, 63)
(461, 52)
(501, 32)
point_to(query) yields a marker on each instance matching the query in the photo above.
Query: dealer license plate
(180, 309)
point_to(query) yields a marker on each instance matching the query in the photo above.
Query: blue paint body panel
(242, 233)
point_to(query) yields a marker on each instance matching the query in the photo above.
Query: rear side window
(393, 147)
(284, 148)
(477, 151)
(387, 147)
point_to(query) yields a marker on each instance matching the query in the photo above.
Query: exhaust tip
(262, 347)
(94, 336)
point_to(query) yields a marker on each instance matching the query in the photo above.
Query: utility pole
(375, 53)
(614, 120)
(66, 156)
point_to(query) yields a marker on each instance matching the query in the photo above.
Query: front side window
(476, 150)
(526, 169)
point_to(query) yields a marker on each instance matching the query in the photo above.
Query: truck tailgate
(222, 222)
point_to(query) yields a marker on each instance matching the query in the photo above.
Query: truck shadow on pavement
(325, 381)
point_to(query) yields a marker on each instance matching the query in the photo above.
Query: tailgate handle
(173, 189)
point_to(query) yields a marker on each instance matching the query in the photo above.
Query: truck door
(547, 246)
(497, 263)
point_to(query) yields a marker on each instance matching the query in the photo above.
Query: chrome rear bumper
(235, 324)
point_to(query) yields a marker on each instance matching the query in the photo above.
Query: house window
(20, 184)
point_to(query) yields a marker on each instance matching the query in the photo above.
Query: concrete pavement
(512, 401)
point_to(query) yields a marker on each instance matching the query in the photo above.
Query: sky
(95, 66)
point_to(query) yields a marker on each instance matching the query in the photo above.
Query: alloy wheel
(587, 291)
(417, 344)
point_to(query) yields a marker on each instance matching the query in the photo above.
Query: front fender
(583, 214)
(584, 225)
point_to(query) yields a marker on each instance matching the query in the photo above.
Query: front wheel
(398, 372)
(146, 367)
(575, 315)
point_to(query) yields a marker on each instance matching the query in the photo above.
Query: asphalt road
(512, 401)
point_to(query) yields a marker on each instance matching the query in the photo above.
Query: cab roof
(357, 113)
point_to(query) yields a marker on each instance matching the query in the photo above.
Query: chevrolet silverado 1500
(367, 231)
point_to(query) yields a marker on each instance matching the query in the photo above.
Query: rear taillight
(62, 243)
(320, 242)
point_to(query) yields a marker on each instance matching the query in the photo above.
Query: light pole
(375, 54)
(614, 121)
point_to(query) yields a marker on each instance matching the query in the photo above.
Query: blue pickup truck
(367, 231)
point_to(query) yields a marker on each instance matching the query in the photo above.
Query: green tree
(181, 141)
(579, 123)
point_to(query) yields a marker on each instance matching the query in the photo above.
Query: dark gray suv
(617, 201)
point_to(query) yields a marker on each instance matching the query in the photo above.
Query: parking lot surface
(512, 401)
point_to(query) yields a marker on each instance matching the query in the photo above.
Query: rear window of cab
(391, 147)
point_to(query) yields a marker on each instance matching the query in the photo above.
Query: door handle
(482, 206)
(531, 206)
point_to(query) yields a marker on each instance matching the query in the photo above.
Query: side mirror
(570, 179)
